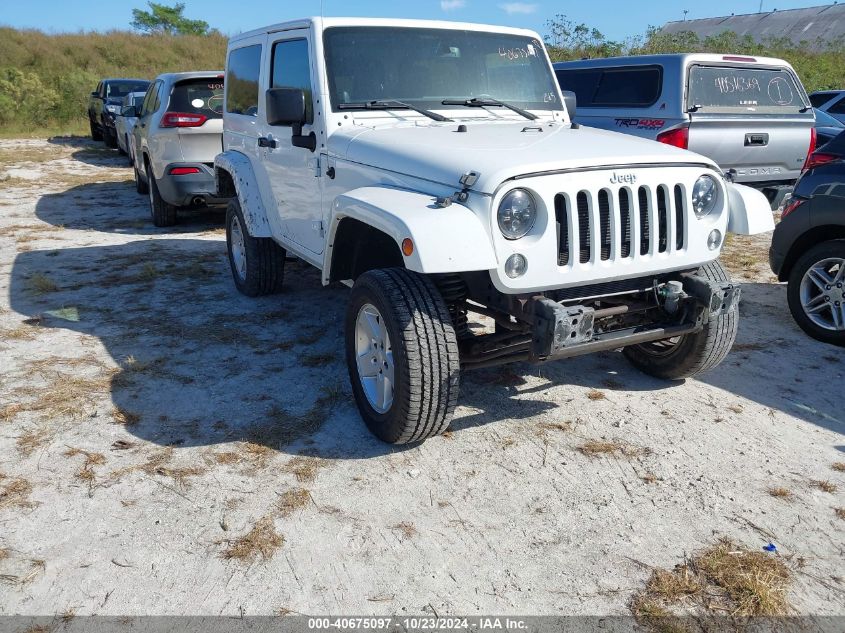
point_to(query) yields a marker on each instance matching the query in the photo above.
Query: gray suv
(178, 134)
(749, 114)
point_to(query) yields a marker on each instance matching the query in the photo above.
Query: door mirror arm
(297, 139)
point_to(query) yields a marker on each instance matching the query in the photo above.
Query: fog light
(714, 240)
(516, 265)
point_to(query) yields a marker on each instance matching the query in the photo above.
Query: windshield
(732, 89)
(200, 96)
(116, 89)
(428, 66)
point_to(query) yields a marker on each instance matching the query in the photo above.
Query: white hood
(497, 150)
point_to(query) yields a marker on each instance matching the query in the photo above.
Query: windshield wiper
(391, 105)
(480, 102)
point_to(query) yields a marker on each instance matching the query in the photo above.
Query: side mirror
(95, 94)
(570, 101)
(129, 111)
(287, 106)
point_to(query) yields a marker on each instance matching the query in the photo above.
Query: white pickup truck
(434, 168)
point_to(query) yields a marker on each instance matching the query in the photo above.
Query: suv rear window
(116, 89)
(728, 88)
(620, 87)
(819, 100)
(200, 96)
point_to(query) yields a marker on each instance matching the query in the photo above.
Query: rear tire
(694, 353)
(96, 133)
(257, 263)
(141, 185)
(823, 324)
(163, 214)
(109, 138)
(402, 355)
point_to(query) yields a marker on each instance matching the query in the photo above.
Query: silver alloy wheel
(374, 357)
(822, 294)
(236, 241)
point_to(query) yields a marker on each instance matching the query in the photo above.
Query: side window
(629, 87)
(148, 99)
(242, 80)
(154, 106)
(820, 99)
(292, 69)
(838, 107)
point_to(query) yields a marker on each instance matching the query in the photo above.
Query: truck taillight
(182, 119)
(679, 137)
(811, 150)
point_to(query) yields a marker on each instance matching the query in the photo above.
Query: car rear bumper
(193, 189)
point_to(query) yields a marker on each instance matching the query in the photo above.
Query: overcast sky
(617, 19)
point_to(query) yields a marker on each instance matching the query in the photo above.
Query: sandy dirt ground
(168, 446)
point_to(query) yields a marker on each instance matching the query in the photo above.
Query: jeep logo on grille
(622, 179)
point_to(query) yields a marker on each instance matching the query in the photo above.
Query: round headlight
(705, 194)
(517, 214)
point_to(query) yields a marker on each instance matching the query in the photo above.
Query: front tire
(402, 355)
(815, 292)
(109, 138)
(690, 354)
(163, 214)
(96, 133)
(258, 263)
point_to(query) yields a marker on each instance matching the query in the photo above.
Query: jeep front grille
(610, 213)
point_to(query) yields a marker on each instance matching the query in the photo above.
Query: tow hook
(716, 297)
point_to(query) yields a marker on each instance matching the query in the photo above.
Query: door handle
(264, 141)
(756, 140)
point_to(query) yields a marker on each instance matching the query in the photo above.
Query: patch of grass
(4, 553)
(14, 493)
(292, 500)
(780, 492)
(840, 512)
(725, 578)
(160, 464)
(40, 284)
(649, 478)
(736, 408)
(124, 417)
(149, 272)
(36, 567)
(304, 468)
(408, 530)
(595, 448)
(20, 333)
(9, 411)
(838, 466)
(86, 473)
(32, 440)
(595, 394)
(262, 540)
(556, 426)
(64, 394)
(824, 485)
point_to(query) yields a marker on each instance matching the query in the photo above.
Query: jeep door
(749, 118)
(294, 172)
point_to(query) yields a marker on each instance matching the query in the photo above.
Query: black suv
(808, 245)
(105, 103)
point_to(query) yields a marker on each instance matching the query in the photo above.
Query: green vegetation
(164, 20)
(821, 68)
(45, 80)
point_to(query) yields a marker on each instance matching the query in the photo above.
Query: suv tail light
(818, 158)
(678, 137)
(182, 119)
(793, 204)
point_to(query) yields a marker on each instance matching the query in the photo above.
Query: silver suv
(178, 134)
(749, 114)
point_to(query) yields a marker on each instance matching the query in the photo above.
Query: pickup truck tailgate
(759, 148)
(750, 117)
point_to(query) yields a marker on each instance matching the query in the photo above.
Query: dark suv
(105, 103)
(808, 245)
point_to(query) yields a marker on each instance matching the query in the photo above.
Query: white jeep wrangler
(433, 166)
